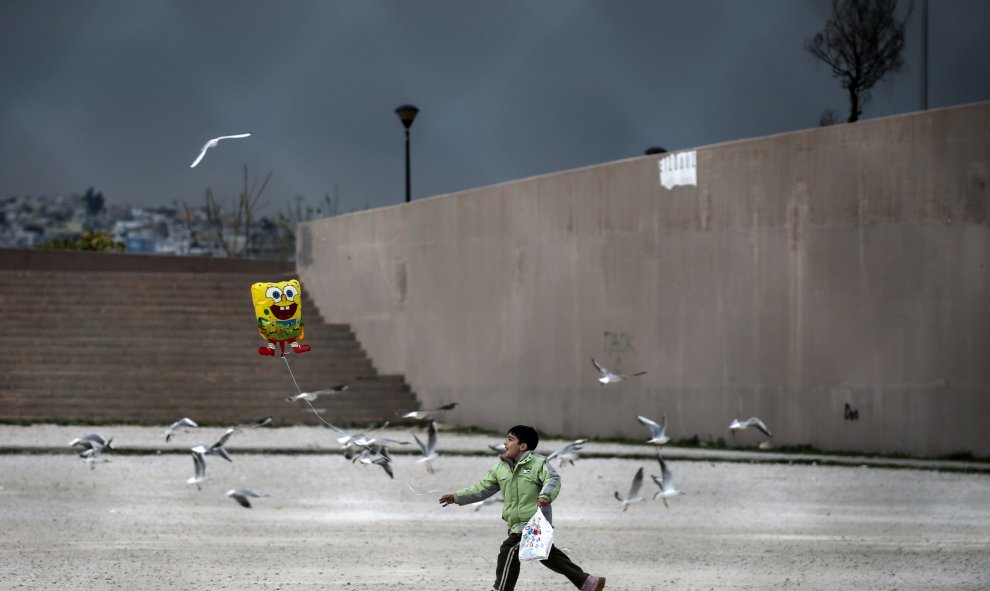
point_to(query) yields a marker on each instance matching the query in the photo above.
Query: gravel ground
(134, 523)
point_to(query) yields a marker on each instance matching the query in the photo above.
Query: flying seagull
(429, 449)
(665, 481)
(736, 425)
(360, 438)
(369, 441)
(91, 441)
(608, 376)
(217, 448)
(92, 456)
(633, 496)
(241, 496)
(348, 441)
(254, 424)
(377, 454)
(199, 470)
(311, 396)
(658, 431)
(568, 453)
(179, 427)
(420, 415)
(213, 144)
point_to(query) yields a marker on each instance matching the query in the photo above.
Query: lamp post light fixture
(407, 114)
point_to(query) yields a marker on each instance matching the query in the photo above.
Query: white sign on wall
(679, 169)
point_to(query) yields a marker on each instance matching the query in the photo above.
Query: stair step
(172, 353)
(141, 346)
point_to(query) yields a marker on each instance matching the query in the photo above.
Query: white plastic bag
(537, 538)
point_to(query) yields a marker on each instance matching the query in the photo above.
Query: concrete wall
(848, 264)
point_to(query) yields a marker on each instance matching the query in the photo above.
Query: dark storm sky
(120, 95)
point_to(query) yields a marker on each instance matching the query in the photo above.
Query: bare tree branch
(862, 42)
(239, 222)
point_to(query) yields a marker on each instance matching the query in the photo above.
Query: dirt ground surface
(135, 524)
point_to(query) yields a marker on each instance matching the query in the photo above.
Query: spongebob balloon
(278, 307)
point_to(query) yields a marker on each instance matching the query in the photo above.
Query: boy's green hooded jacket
(521, 483)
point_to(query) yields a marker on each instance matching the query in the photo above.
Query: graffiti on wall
(617, 344)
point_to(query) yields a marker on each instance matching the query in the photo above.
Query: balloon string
(317, 413)
(293, 376)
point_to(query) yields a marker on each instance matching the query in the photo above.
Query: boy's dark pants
(507, 570)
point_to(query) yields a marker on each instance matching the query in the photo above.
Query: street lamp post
(407, 114)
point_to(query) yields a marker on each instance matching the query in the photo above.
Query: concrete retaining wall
(804, 271)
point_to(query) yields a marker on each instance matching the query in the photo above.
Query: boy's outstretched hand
(447, 499)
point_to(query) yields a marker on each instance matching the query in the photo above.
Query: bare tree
(233, 231)
(299, 211)
(862, 42)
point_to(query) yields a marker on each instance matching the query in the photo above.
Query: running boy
(527, 481)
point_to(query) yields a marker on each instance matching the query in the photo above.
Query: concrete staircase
(152, 347)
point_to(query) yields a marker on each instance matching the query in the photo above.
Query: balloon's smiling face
(280, 301)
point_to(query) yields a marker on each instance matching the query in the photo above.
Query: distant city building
(28, 221)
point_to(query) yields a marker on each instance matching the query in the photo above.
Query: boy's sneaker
(593, 583)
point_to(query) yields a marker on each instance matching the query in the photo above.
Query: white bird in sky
(429, 449)
(568, 453)
(199, 470)
(213, 144)
(737, 425)
(179, 427)
(658, 431)
(666, 483)
(608, 377)
(633, 496)
(241, 496)
(217, 448)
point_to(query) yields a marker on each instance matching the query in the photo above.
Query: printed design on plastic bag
(537, 538)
